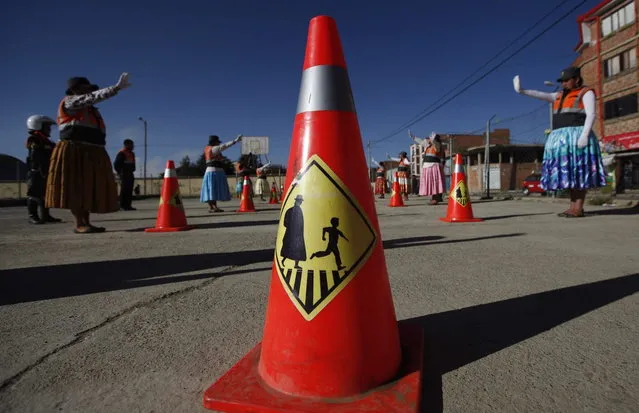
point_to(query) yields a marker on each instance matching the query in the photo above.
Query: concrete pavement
(523, 312)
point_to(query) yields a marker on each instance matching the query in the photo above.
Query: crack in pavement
(79, 337)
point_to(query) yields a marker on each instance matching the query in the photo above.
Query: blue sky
(229, 67)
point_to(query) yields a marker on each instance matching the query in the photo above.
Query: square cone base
(241, 389)
(170, 229)
(461, 219)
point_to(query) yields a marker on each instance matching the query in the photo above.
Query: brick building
(460, 144)
(508, 166)
(608, 60)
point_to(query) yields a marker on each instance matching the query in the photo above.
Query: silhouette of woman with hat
(293, 245)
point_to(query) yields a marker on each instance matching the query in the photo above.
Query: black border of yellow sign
(465, 195)
(309, 312)
(175, 199)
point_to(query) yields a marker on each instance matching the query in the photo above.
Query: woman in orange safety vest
(380, 180)
(403, 172)
(431, 180)
(80, 175)
(215, 186)
(572, 157)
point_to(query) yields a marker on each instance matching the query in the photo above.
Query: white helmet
(35, 122)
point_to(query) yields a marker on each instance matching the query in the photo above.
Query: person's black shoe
(51, 219)
(35, 221)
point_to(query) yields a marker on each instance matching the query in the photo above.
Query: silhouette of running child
(331, 248)
(458, 193)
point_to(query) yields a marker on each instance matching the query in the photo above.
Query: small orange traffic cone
(281, 193)
(396, 198)
(331, 340)
(273, 199)
(459, 207)
(246, 203)
(171, 215)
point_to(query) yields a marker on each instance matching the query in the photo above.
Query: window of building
(619, 19)
(620, 63)
(630, 56)
(625, 105)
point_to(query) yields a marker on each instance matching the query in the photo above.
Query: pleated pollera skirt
(81, 178)
(566, 166)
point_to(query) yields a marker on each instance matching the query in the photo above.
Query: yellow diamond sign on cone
(323, 239)
(460, 194)
(175, 200)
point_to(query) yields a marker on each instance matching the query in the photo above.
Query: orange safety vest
(39, 139)
(127, 166)
(84, 124)
(431, 150)
(431, 154)
(568, 109)
(39, 148)
(403, 167)
(129, 156)
(212, 159)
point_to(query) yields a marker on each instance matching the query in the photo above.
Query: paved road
(524, 312)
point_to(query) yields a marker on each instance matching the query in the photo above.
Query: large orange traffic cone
(396, 197)
(331, 339)
(171, 215)
(459, 207)
(246, 203)
(273, 199)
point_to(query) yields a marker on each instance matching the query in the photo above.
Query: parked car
(532, 185)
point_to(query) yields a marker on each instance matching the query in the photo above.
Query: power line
(519, 135)
(523, 115)
(541, 63)
(423, 115)
(500, 121)
(489, 61)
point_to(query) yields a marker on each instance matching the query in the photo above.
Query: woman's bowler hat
(74, 82)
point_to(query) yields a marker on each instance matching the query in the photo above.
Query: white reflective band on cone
(325, 88)
(458, 169)
(170, 173)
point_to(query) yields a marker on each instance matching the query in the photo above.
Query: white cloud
(135, 132)
(193, 154)
(156, 165)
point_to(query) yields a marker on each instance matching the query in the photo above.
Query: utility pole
(145, 129)
(450, 156)
(487, 156)
(370, 160)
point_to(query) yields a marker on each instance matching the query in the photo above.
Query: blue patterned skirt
(566, 166)
(215, 187)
